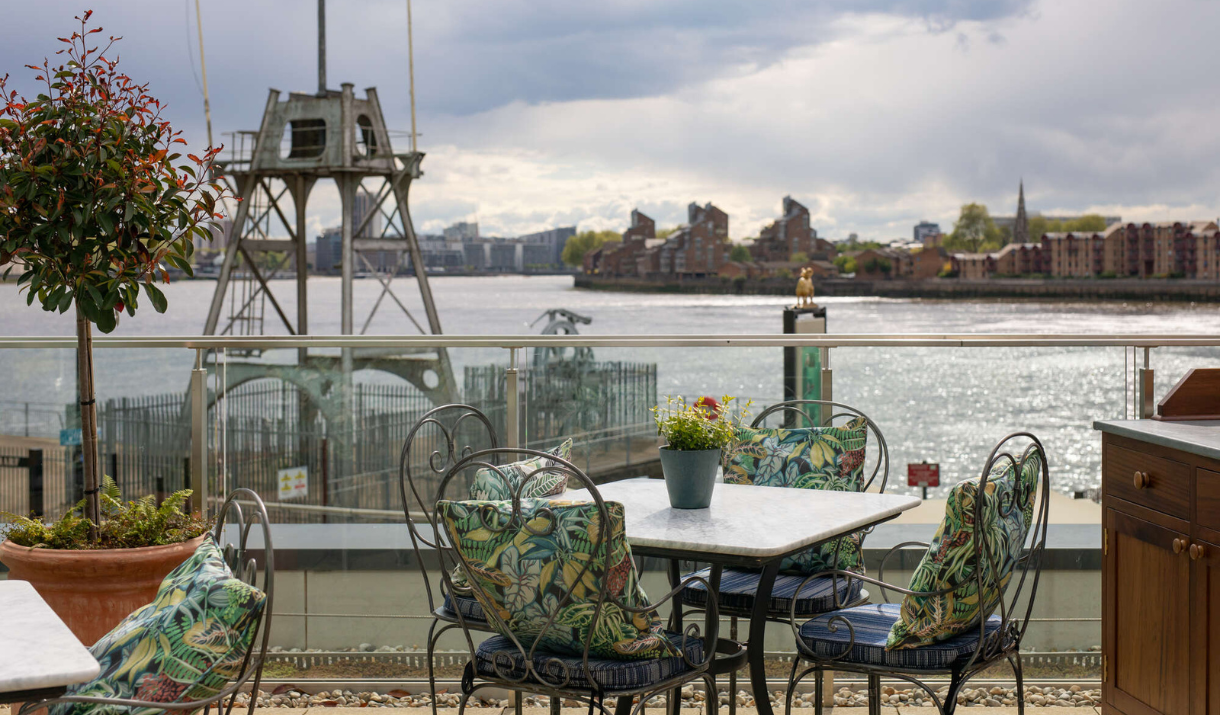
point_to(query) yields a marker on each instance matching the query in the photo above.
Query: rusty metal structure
(303, 138)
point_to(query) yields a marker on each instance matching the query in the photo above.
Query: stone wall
(937, 288)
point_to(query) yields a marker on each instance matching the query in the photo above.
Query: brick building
(1073, 254)
(698, 248)
(974, 266)
(924, 263)
(789, 234)
(621, 258)
(1019, 259)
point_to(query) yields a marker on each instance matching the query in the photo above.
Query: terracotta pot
(93, 590)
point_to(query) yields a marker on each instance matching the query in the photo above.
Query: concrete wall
(1061, 594)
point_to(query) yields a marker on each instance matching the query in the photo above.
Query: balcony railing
(347, 584)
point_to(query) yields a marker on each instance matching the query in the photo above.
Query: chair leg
(817, 689)
(431, 654)
(713, 698)
(555, 705)
(733, 673)
(1015, 659)
(623, 705)
(955, 686)
(874, 695)
(796, 663)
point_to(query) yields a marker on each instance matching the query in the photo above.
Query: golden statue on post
(804, 289)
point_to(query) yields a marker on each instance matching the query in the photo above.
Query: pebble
(996, 696)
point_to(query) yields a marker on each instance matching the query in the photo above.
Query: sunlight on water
(945, 405)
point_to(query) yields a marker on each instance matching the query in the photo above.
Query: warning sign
(294, 482)
(923, 475)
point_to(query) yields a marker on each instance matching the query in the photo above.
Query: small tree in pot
(92, 205)
(695, 436)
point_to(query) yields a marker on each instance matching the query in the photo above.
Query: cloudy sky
(874, 113)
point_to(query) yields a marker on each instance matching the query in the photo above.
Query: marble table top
(1201, 437)
(37, 651)
(745, 521)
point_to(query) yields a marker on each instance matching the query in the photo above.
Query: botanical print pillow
(526, 569)
(829, 458)
(491, 485)
(806, 458)
(1008, 509)
(185, 645)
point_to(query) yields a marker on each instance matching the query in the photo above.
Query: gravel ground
(1073, 696)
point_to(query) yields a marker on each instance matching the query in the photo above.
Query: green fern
(124, 525)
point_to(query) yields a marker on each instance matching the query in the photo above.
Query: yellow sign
(294, 482)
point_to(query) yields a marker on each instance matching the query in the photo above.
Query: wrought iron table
(745, 526)
(39, 656)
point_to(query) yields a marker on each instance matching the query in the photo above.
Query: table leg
(756, 649)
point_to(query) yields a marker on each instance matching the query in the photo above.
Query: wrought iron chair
(523, 666)
(243, 568)
(822, 645)
(794, 596)
(438, 433)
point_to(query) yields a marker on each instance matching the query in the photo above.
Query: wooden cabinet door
(1148, 598)
(1205, 649)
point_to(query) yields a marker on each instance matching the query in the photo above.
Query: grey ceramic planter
(690, 476)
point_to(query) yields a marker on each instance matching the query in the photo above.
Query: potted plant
(694, 436)
(94, 205)
(94, 577)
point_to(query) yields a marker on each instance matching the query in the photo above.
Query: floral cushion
(1008, 510)
(492, 485)
(185, 645)
(830, 458)
(546, 565)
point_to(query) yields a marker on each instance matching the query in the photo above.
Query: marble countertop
(37, 650)
(1201, 437)
(745, 521)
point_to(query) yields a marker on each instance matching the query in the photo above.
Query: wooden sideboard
(1161, 567)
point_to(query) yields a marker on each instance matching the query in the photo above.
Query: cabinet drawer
(1154, 482)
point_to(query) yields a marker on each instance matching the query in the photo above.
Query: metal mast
(339, 136)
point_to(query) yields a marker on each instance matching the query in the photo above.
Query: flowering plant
(703, 425)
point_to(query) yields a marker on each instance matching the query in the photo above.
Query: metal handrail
(212, 342)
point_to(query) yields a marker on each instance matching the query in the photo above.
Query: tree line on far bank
(974, 232)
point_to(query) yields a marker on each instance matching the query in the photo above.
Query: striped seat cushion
(737, 589)
(871, 626)
(568, 671)
(470, 608)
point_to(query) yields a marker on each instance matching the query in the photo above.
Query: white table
(39, 656)
(744, 526)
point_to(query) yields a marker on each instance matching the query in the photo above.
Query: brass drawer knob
(1197, 551)
(1179, 545)
(1141, 480)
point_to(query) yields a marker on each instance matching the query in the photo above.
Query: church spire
(1020, 229)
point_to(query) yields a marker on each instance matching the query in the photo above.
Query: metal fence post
(1146, 388)
(199, 436)
(512, 414)
(827, 391)
(34, 465)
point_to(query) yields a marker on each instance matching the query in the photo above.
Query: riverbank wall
(1152, 289)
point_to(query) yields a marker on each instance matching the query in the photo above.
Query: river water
(943, 405)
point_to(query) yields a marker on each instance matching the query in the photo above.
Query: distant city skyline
(538, 115)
